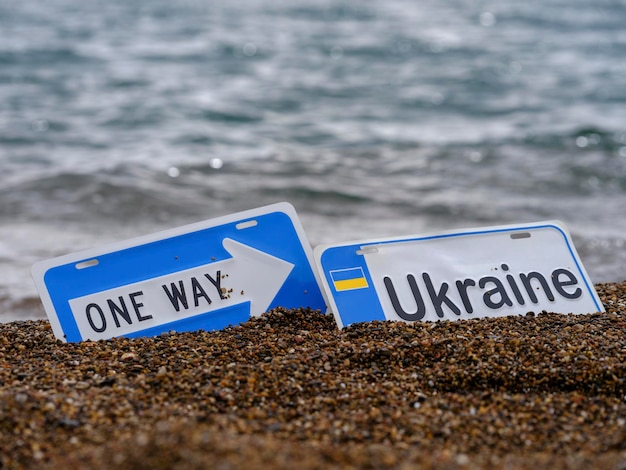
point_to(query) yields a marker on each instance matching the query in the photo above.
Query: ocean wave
(14, 309)
(42, 57)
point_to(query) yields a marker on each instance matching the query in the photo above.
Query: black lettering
(462, 286)
(526, 280)
(177, 296)
(217, 282)
(393, 296)
(198, 292)
(439, 298)
(513, 284)
(499, 289)
(571, 281)
(138, 305)
(88, 310)
(123, 311)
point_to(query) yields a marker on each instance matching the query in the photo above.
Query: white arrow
(258, 278)
(249, 275)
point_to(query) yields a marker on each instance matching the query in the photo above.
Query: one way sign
(202, 276)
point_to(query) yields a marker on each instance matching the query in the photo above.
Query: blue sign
(202, 276)
(487, 272)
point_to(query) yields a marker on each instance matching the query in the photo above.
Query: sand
(290, 390)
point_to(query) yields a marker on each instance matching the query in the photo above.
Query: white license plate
(486, 272)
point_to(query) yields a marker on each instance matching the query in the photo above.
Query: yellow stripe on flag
(348, 278)
(347, 284)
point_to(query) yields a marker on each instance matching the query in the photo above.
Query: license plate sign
(488, 272)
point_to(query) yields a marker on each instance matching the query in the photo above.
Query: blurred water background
(373, 118)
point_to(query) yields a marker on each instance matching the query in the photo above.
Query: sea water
(373, 118)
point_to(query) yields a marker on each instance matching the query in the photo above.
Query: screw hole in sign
(247, 224)
(367, 250)
(517, 236)
(87, 264)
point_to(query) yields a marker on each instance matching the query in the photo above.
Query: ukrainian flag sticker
(348, 279)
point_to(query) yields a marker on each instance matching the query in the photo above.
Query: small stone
(21, 397)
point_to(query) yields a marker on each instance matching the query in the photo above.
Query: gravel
(290, 390)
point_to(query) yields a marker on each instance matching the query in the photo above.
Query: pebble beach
(290, 390)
